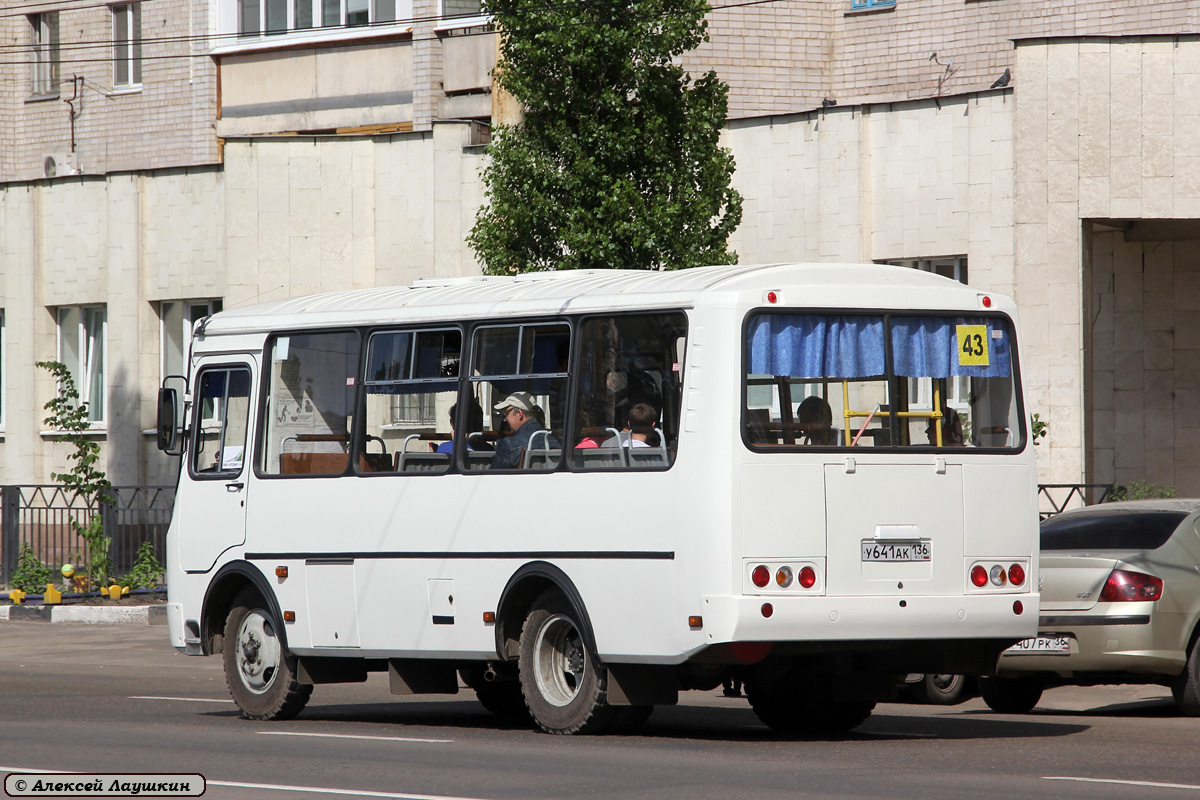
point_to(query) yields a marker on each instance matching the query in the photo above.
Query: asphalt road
(117, 698)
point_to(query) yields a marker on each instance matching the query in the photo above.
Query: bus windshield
(877, 380)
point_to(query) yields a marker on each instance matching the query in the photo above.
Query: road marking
(276, 787)
(355, 736)
(1152, 784)
(182, 699)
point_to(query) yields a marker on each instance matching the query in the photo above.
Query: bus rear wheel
(564, 689)
(260, 673)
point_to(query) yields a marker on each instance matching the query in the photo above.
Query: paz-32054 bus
(811, 478)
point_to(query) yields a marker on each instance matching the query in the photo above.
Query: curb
(87, 615)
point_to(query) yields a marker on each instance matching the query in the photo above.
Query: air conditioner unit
(56, 165)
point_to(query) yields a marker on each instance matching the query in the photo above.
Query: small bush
(1140, 490)
(147, 573)
(31, 575)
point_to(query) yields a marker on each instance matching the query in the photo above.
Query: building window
(176, 320)
(43, 37)
(453, 10)
(270, 17)
(127, 45)
(857, 4)
(82, 335)
(953, 267)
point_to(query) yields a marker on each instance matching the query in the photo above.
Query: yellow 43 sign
(972, 345)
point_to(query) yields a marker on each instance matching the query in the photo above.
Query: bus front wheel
(563, 687)
(260, 673)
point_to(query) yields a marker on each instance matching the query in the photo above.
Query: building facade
(219, 153)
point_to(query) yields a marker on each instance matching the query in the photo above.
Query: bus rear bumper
(729, 619)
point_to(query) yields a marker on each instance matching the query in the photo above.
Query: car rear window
(1110, 530)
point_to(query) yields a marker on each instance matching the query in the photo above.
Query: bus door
(215, 506)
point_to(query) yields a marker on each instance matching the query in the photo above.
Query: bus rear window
(893, 381)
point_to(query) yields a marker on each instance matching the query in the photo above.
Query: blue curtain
(928, 347)
(815, 346)
(819, 346)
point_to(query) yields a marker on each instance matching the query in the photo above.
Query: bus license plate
(873, 550)
(1052, 645)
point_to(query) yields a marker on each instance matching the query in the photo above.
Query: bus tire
(259, 671)
(1010, 695)
(793, 709)
(948, 689)
(564, 690)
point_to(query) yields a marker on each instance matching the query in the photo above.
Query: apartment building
(160, 160)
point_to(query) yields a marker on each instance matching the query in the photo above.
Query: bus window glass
(310, 397)
(411, 384)
(628, 392)
(870, 381)
(223, 405)
(512, 359)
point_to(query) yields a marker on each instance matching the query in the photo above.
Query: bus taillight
(1016, 574)
(761, 576)
(979, 576)
(783, 577)
(808, 577)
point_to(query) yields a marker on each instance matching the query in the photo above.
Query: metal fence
(1055, 498)
(43, 517)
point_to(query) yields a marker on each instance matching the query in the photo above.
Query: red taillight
(1016, 574)
(987, 301)
(767, 610)
(1126, 586)
(761, 576)
(807, 577)
(979, 576)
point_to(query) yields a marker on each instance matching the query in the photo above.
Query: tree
(616, 163)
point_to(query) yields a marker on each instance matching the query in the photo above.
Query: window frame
(214, 304)
(306, 19)
(86, 357)
(44, 44)
(891, 379)
(127, 45)
(868, 5)
(219, 418)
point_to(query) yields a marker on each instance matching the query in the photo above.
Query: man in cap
(518, 411)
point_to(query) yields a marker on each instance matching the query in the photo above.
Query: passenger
(952, 430)
(814, 420)
(474, 425)
(639, 428)
(520, 413)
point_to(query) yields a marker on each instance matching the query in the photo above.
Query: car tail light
(1127, 586)
(761, 576)
(979, 576)
(1016, 574)
(808, 577)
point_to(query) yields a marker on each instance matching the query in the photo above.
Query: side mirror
(168, 433)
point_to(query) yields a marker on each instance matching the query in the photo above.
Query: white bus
(749, 473)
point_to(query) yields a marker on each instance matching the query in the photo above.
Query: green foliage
(1140, 490)
(616, 163)
(31, 575)
(1037, 428)
(147, 573)
(85, 478)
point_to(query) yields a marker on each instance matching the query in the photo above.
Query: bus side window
(529, 359)
(310, 397)
(222, 409)
(411, 385)
(628, 392)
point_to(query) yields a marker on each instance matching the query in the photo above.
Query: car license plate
(873, 550)
(1042, 645)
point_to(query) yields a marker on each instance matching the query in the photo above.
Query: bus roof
(539, 293)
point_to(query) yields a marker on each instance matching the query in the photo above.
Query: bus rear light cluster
(792, 576)
(997, 575)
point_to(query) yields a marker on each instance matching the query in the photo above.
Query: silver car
(1120, 604)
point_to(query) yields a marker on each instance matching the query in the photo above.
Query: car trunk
(1072, 581)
